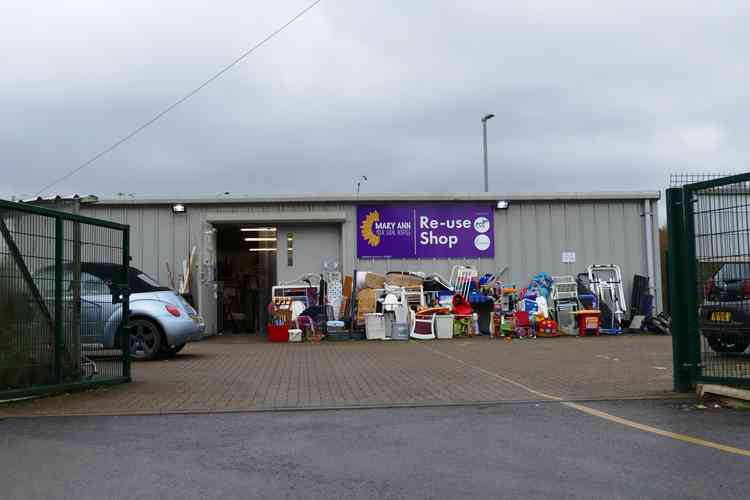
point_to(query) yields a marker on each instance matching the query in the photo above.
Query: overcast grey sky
(588, 95)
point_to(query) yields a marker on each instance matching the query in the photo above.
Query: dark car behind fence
(709, 279)
(50, 315)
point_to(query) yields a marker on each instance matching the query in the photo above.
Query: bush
(26, 342)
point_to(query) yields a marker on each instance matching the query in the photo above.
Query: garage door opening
(246, 256)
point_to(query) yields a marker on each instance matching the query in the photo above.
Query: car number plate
(721, 316)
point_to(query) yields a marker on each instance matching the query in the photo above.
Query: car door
(96, 308)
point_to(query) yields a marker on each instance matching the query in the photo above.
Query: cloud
(607, 95)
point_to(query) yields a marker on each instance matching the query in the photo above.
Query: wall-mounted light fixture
(290, 249)
(178, 208)
(503, 204)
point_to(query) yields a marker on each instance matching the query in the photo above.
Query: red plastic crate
(278, 333)
(588, 323)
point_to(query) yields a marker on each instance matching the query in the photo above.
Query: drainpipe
(650, 248)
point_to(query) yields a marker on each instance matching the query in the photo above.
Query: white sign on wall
(568, 258)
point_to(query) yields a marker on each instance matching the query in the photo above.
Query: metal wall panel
(312, 244)
(530, 237)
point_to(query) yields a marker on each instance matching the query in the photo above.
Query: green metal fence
(709, 279)
(60, 327)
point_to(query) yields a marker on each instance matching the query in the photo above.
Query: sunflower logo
(366, 228)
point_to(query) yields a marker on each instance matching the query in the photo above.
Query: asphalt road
(544, 450)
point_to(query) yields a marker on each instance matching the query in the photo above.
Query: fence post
(75, 288)
(125, 329)
(678, 285)
(690, 273)
(59, 306)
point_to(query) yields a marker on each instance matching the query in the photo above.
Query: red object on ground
(547, 328)
(522, 323)
(588, 323)
(278, 333)
(522, 318)
(461, 307)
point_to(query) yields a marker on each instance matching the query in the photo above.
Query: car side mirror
(118, 292)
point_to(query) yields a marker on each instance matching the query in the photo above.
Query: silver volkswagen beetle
(161, 321)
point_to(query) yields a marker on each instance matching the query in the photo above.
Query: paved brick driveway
(236, 373)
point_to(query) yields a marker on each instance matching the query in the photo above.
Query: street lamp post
(484, 136)
(359, 182)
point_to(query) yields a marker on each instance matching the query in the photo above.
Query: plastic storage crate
(444, 326)
(400, 331)
(588, 323)
(336, 330)
(278, 333)
(375, 326)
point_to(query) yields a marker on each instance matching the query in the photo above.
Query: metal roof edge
(374, 198)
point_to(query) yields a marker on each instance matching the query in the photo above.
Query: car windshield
(149, 280)
(141, 282)
(89, 284)
(96, 279)
(732, 272)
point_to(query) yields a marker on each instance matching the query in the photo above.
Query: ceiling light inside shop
(260, 239)
(262, 249)
(258, 229)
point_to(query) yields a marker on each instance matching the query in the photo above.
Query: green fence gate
(709, 281)
(60, 327)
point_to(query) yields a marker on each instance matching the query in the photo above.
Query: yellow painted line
(601, 414)
(659, 432)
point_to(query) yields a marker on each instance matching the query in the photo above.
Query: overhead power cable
(184, 98)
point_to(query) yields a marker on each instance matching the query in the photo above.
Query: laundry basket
(375, 326)
(444, 326)
(423, 327)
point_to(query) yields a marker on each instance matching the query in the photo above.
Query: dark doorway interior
(245, 271)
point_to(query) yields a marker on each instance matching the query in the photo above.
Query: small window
(149, 280)
(93, 285)
(290, 249)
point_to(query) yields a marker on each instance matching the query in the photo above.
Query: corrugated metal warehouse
(559, 233)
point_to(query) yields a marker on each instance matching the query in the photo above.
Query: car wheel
(171, 350)
(145, 339)
(723, 345)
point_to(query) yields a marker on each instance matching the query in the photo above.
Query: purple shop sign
(401, 231)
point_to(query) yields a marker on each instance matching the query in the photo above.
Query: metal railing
(709, 272)
(61, 327)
